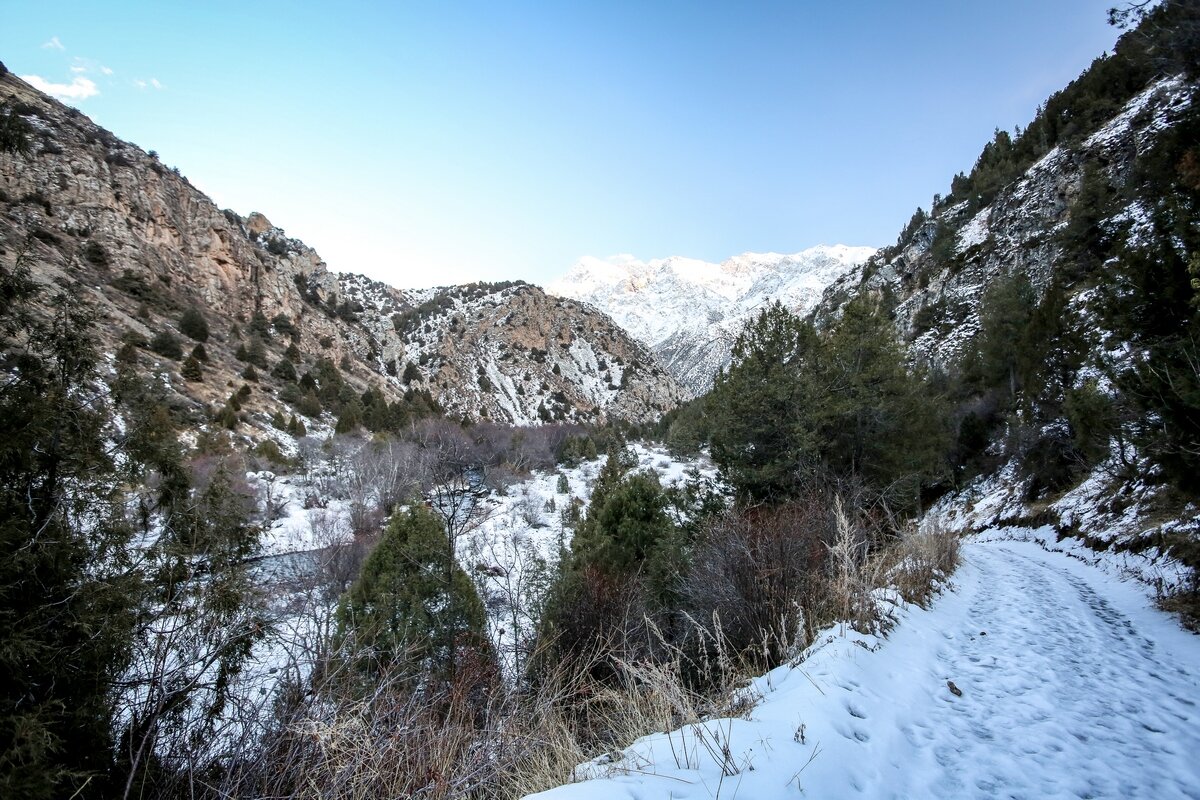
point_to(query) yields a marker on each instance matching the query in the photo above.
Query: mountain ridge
(688, 311)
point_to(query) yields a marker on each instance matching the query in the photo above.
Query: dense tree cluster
(799, 408)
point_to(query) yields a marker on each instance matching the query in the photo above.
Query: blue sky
(432, 143)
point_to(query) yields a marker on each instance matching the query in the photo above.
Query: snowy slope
(1071, 686)
(688, 311)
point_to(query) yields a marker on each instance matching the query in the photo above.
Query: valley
(919, 520)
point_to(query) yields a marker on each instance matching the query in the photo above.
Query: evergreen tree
(256, 352)
(66, 594)
(309, 405)
(875, 420)
(627, 531)
(1151, 298)
(1004, 323)
(260, 326)
(193, 325)
(14, 131)
(295, 427)
(191, 370)
(796, 407)
(166, 344)
(285, 370)
(760, 436)
(351, 417)
(412, 601)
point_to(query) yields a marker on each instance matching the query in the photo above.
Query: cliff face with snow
(689, 311)
(936, 294)
(938, 299)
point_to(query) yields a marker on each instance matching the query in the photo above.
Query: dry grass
(341, 741)
(925, 560)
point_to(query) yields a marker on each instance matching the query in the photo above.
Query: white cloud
(139, 83)
(154, 82)
(79, 88)
(53, 44)
(82, 66)
(146, 84)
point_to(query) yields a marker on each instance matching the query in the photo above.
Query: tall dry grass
(343, 738)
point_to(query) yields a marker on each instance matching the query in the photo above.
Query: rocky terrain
(689, 311)
(100, 218)
(938, 297)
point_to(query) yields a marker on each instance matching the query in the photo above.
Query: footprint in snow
(855, 711)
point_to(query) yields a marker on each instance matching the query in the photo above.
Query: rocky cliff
(102, 218)
(938, 272)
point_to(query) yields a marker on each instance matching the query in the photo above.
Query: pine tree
(167, 345)
(760, 437)
(309, 405)
(285, 370)
(1004, 316)
(66, 596)
(412, 602)
(193, 325)
(295, 427)
(191, 370)
(876, 421)
(351, 417)
(14, 131)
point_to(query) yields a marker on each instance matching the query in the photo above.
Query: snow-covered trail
(1071, 686)
(1062, 694)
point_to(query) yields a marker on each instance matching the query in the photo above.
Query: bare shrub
(337, 737)
(760, 572)
(339, 554)
(925, 559)
(854, 575)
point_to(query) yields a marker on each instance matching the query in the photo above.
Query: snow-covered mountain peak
(688, 309)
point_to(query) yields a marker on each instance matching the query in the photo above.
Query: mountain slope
(94, 215)
(940, 269)
(1053, 294)
(688, 311)
(511, 352)
(1069, 685)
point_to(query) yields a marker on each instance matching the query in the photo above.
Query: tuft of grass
(926, 558)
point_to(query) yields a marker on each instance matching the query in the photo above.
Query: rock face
(94, 215)
(690, 311)
(516, 353)
(937, 311)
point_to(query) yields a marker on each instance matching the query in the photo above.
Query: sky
(427, 143)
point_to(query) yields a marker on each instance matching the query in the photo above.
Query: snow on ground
(1103, 508)
(510, 552)
(1072, 685)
